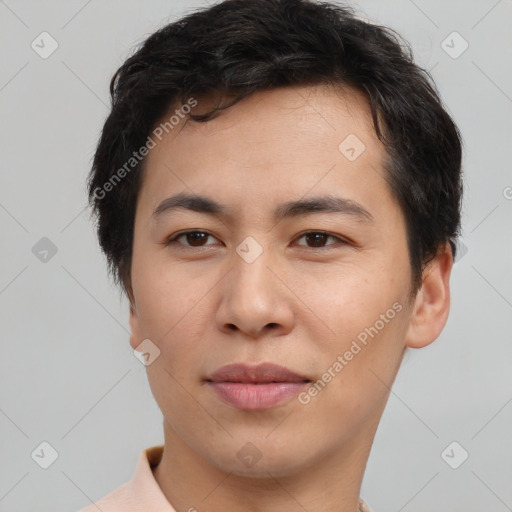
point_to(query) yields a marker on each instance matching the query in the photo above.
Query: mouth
(255, 387)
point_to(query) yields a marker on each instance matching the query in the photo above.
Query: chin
(259, 459)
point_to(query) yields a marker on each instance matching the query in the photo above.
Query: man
(277, 190)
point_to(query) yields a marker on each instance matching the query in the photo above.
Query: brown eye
(196, 238)
(192, 238)
(318, 239)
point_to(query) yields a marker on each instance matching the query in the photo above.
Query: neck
(331, 483)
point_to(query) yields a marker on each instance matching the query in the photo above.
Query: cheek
(175, 312)
(364, 318)
(170, 297)
(346, 299)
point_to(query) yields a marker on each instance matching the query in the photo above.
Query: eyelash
(330, 235)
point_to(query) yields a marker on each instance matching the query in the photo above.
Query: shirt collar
(143, 490)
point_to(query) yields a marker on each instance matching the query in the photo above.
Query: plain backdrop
(68, 376)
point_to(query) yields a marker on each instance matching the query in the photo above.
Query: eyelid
(340, 239)
(175, 236)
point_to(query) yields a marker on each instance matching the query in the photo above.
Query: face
(298, 259)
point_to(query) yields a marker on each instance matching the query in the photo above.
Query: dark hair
(237, 47)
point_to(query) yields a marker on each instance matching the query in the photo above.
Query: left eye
(314, 239)
(318, 239)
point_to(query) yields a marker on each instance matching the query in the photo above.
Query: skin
(296, 305)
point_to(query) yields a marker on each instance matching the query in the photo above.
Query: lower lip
(256, 396)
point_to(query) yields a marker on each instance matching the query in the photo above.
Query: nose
(254, 299)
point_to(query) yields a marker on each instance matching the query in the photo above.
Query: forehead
(270, 147)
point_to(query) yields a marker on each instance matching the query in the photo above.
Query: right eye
(193, 238)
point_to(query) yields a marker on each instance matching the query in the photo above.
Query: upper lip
(262, 373)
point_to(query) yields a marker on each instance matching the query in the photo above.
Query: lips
(262, 373)
(255, 387)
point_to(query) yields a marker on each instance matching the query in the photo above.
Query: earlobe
(432, 303)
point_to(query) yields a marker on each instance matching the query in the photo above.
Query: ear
(432, 302)
(136, 336)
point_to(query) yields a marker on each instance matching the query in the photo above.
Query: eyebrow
(324, 204)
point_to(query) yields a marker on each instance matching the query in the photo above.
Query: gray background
(68, 375)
